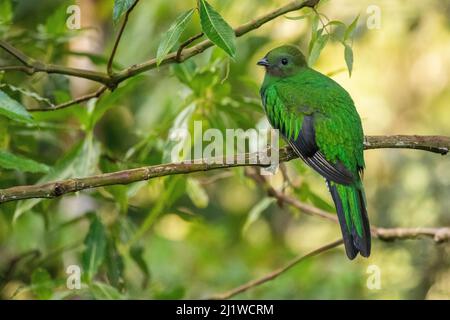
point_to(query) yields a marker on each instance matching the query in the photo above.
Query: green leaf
(216, 28)
(197, 193)
(94, 254)
(11, 161)
(315, 32)
(317, 47)
(348, 54)
(41, 284)
(120, 7)
(114, 265)
(256, 211)
(102, 291)
(172, 35)
(351, 28)
(13, 110)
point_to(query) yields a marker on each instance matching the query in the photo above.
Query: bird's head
(283, 61)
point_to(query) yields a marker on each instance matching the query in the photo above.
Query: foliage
(190, 236)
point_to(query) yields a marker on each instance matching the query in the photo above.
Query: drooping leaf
(41, 284)
(172, 35)
(315, 32)
(256, 211)
(216, 28)
(348, 54)
(13, 110)
(11, 161)
(317, 48)
(197, 193)
(120, 7)
(94, 254)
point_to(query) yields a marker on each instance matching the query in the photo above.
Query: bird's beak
(263, 62)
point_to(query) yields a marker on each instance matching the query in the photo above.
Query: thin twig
(185, 44)
(109, 67)
(439, 235)
(274, 274)
(84, 98)
(437, 144)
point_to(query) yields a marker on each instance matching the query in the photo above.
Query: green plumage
(318, 118)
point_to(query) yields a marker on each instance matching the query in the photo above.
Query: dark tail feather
(352, 214)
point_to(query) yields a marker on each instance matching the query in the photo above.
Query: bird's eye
(284, 61)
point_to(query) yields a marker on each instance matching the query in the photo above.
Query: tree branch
(437, 144)
(274, 274)
(109, 67)
(84, 98)
(31, 66)
(439, 234)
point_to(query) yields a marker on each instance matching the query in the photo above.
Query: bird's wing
(298, 128)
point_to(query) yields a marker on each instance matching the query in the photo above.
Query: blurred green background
(184, 236)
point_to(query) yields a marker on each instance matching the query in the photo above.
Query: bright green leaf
(348, 54)
(317, 48)
(13, 110)
(41, 284)
(11, 161)
(120, 7)
(216, 28)
(172, 35)
(95, 251)
(197, 193)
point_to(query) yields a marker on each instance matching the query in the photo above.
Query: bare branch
(109, 68)
(31, 66)
(274, 274)
(84, 98)
(56, 189)
(439, 235)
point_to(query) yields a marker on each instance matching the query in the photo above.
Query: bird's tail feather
(352, 214)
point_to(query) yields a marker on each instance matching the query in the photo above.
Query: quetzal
(318, 119)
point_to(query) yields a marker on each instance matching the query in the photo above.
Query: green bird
(318, 119)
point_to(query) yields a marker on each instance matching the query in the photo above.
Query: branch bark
(437, 144)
